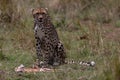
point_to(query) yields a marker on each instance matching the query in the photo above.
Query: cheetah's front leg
(39, 52)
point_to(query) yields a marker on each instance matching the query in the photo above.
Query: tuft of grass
(2, 56)
(112, 71)
(117, 23)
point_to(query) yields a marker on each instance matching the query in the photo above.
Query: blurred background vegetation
(89, 30)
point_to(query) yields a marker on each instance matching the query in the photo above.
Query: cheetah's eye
(43, 13)
(37, 13)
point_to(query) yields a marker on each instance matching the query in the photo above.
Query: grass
(117, 24)
(17, 44)
(77, 49)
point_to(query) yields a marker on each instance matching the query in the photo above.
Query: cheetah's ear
(32, 9)
(46, 9)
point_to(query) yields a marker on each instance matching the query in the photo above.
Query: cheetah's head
(39, 14)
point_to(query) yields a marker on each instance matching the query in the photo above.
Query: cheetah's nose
(40, 17)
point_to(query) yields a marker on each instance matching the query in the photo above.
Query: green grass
(117, 23)
(76, 49)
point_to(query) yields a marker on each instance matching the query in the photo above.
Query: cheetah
(49, 49)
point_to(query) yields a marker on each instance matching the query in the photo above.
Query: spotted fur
(48, 46)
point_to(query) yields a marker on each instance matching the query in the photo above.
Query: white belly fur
(40, 33)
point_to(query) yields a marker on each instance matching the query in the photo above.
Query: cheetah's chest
(39, 31)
